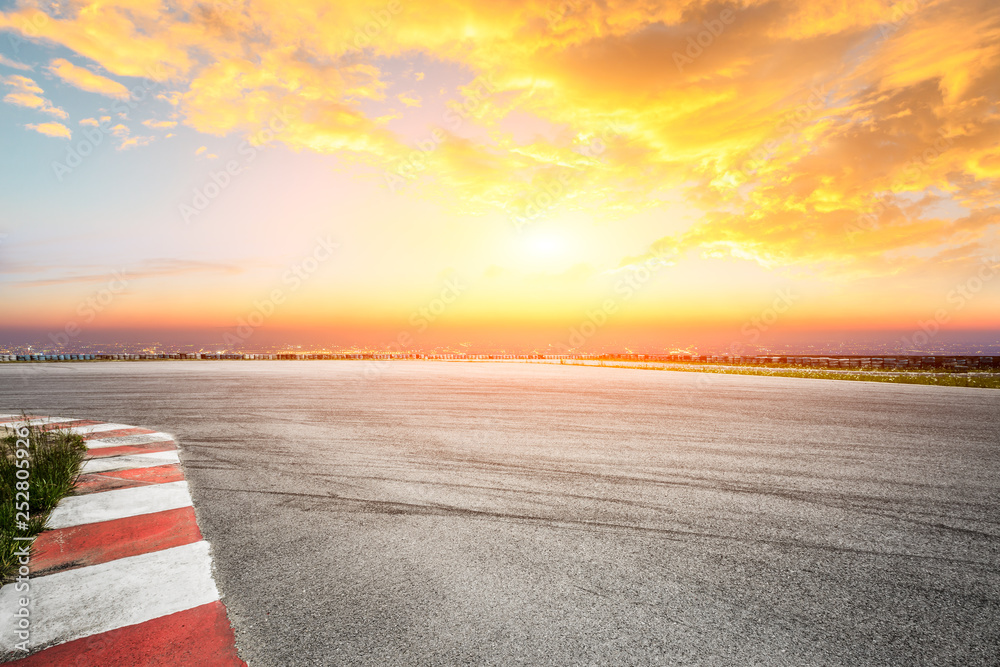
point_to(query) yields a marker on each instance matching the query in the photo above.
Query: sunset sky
(655, 167)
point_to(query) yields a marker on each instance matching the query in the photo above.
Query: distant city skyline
(887, 343)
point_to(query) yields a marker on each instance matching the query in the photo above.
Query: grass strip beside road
(980, 379)
(53, 461)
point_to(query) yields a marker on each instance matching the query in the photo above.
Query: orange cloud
(26, 93)
(409, 99)
(7, 62)
(51, 129)
(159, 124)
(133, 142)
(858, 137)
(126, 38)
(84, 79)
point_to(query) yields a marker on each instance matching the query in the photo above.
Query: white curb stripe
(130, 461)
(90, 600)
(97, 428)
(118, 441)
(119, 504)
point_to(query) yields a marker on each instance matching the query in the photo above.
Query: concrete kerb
(122, 575)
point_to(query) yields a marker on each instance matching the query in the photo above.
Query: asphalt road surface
(430, 513)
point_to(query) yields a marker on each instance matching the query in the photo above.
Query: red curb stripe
(126, 479)
(96, 543)
(114, 434)
(146, 448)
(193, 638)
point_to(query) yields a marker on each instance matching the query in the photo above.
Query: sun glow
(546, 245)
(543, 152)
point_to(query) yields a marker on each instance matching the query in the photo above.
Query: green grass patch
(52, 461)
(979, 379)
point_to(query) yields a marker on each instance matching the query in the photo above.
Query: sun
(545, 245)
(554, 246)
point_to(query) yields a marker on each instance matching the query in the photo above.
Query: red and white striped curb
(123, 576)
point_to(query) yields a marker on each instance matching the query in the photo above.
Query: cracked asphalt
(430, 513)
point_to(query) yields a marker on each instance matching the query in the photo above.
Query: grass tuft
(54, 459)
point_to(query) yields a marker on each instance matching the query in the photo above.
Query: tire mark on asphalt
(434, 509)
(848, 502)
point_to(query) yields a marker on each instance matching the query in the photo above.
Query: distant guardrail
(888, 362)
